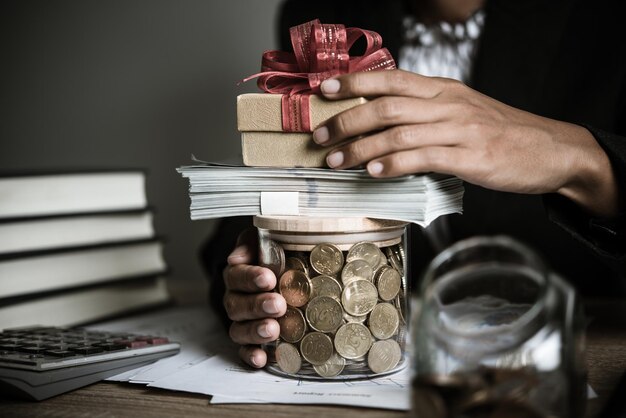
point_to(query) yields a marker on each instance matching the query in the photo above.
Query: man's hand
(249, 301)
(422, 124)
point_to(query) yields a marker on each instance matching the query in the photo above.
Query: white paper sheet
(229, 382)
(208, 364)
(194, 327)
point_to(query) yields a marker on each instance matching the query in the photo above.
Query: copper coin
(292, 325)
(295, 287)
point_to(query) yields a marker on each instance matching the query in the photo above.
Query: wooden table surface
(606, 358)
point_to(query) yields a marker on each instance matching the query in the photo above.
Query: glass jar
(345, 283)
(495, 333)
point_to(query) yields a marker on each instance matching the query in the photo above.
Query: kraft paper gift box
(265, 143)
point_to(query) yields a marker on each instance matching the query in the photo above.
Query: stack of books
(77, 247)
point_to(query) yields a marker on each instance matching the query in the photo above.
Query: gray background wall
(131, 83)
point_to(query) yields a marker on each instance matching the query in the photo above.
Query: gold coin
(384, 356)
(400, 304)
(353, 340)
(316, 348)
(383, 261)
(326, 259)
(365, 251)
(324, 285)
(324, 314)
(359, 297)
(333, 366)
(356, 270)
(395, 259)
(272, 256)
(352, 318)
(295, 287)
(292, 325)
(388, 283)
(384, 321)
(288, 358)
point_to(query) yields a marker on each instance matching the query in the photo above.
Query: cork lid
(312, 224)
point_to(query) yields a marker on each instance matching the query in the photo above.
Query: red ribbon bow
(320, 52)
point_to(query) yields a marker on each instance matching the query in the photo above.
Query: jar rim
(538, 273)
(315, 224)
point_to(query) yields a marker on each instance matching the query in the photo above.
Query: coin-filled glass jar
(345, 283)
(496, 334)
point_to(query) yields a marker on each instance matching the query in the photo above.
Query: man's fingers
(383, 83)
(445, 160)
(378, 114)
(253, 356)
(248, 278)
(244, 307)
(396, 139)
(245, 249)
(254, 332)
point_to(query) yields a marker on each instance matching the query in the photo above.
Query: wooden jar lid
(310, 224)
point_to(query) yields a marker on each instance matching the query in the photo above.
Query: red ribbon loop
(320, 51)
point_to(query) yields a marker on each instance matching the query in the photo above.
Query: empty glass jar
(345, 283)
(496, 334)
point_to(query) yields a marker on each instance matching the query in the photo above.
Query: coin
(355, 270)
(296, 263)
(399, 303)
(384, 356)
(388, 283)
(352, 318)
(292, 325)
(324, 285)
(383, 261)
(365, 251)
(272, 256)
(324, 314)
(353, 340)
(384, 321)
(395, 259)
(295, 287)
(288, 358)
(326, 259)
(316, 348)
(332, 367)
(359, 297)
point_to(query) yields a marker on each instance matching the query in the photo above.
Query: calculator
(40, 362)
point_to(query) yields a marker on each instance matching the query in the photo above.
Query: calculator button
(10, 347)
(86, 349)
(109, 346)
(132, 344)
(60, 353)
(33, 349)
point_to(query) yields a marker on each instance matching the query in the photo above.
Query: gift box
(276, 126)
(264, 141)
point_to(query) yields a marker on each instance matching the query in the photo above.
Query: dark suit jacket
(557, 58)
